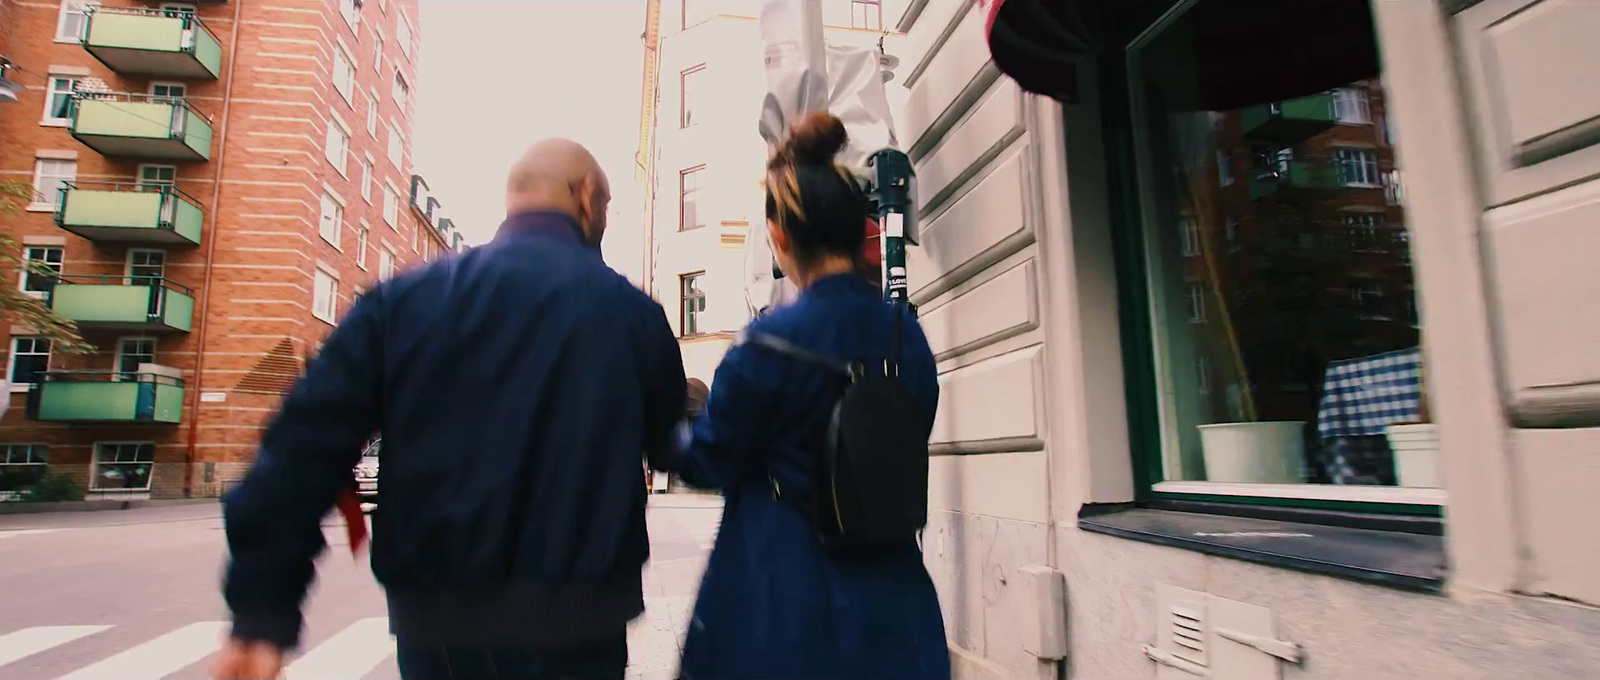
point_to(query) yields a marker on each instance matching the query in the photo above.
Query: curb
(96, 506)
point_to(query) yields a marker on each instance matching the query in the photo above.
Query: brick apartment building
(215, 183)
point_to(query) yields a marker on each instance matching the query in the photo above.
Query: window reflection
(1287, 333)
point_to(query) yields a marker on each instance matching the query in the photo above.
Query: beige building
(1222, 396)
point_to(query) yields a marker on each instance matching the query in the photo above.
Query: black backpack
(872, 484)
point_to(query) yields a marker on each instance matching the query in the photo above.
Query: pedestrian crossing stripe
(351, 653)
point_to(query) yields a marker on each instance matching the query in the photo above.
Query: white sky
(497, 75)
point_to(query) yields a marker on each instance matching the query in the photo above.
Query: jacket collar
(840, 284)
(542, 224)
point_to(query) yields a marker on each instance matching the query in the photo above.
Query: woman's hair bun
(816, 138)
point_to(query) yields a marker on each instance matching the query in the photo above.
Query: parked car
(367, 473)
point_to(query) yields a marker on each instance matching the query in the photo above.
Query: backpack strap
(789, 349)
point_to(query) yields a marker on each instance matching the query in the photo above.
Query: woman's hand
(248, 660)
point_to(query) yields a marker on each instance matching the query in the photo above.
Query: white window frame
(169, 84)
(386, 259)
(1352, 106)
(1197, 301)
(377, 51)
(367, 168)
(122, 353)
(351, 13)
(397, 147)
(325, 294)
(94, 467)
(28, 256)
(128, 265)
(391, 207)
(400, 90)
(872, 16)
(403, 34)
(331, 210)
(1189, 235)
(51, 91)
(363, 244)
(30, 459)
(1363, 157)
(343, 71)
(145, 184)
(336, 144)
(49, 202)
(68, 9)
(11, 360)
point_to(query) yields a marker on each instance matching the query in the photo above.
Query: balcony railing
(106, 397)
(129, 303)
(1288, 121)
(140, 126)
(162, 43)
(1294, 177)
(115, 212)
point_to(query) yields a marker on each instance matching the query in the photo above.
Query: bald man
(514, 387)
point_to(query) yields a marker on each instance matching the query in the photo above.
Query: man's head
(560, 175)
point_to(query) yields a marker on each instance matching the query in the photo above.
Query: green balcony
(1294, 178)
(1288, 121)
(140, 126)
(152, 43)
(119, 303)
(128, 213)
(106, 397)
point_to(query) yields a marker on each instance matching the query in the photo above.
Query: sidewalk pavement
(655, 640)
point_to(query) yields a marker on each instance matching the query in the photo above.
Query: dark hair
(817, 203)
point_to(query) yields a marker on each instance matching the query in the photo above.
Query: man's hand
(248, 660)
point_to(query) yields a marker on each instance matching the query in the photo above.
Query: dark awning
(1247, 51)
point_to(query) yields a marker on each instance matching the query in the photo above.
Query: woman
(774, 603)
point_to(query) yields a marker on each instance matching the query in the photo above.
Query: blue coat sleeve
(725, 436)
(666, 387)
(273, 519)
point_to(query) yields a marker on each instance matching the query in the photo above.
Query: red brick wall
(261, 219)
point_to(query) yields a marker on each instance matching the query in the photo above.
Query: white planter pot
(1416, 454)
(1258, 453)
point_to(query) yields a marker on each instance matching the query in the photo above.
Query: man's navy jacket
(517, 387)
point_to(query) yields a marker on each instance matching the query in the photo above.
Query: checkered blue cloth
(1361, 397)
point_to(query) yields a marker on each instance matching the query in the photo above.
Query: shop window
(1286, 369)
(122, 466)
(22, 466)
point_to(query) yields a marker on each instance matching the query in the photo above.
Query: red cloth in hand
(355, 523)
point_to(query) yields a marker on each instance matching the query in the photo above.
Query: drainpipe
(211, 252)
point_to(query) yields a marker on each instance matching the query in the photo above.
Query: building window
(351, 11)
(1197, 302)
(397, 148)
(1224, 169)
(402, 91)
(73, 21)
(391, 208)
(131, 352)
(168, 91)
(50, 176)
(1350, 106)
(146, 267)
(1363, 232)
(416, 239)
(49, 258)
(328, 223)
(402, 35)
(366, 180)
(122, 466)
(324, 296)
(689, 216)
(344, 73)
(29, 358)
(157, 177)
(1189, 231)
(362, 235)
(385, 263)
(689, 85)
(692, 307)
(372, 115)
(58, 101)
(867, 14)
(1229, 419)
(1357, 167)
(377, 51)
(22, 466)
(337, 145)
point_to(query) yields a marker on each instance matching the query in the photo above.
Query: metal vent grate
(1188, 635)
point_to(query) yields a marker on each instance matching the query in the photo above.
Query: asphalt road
(132, 595)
